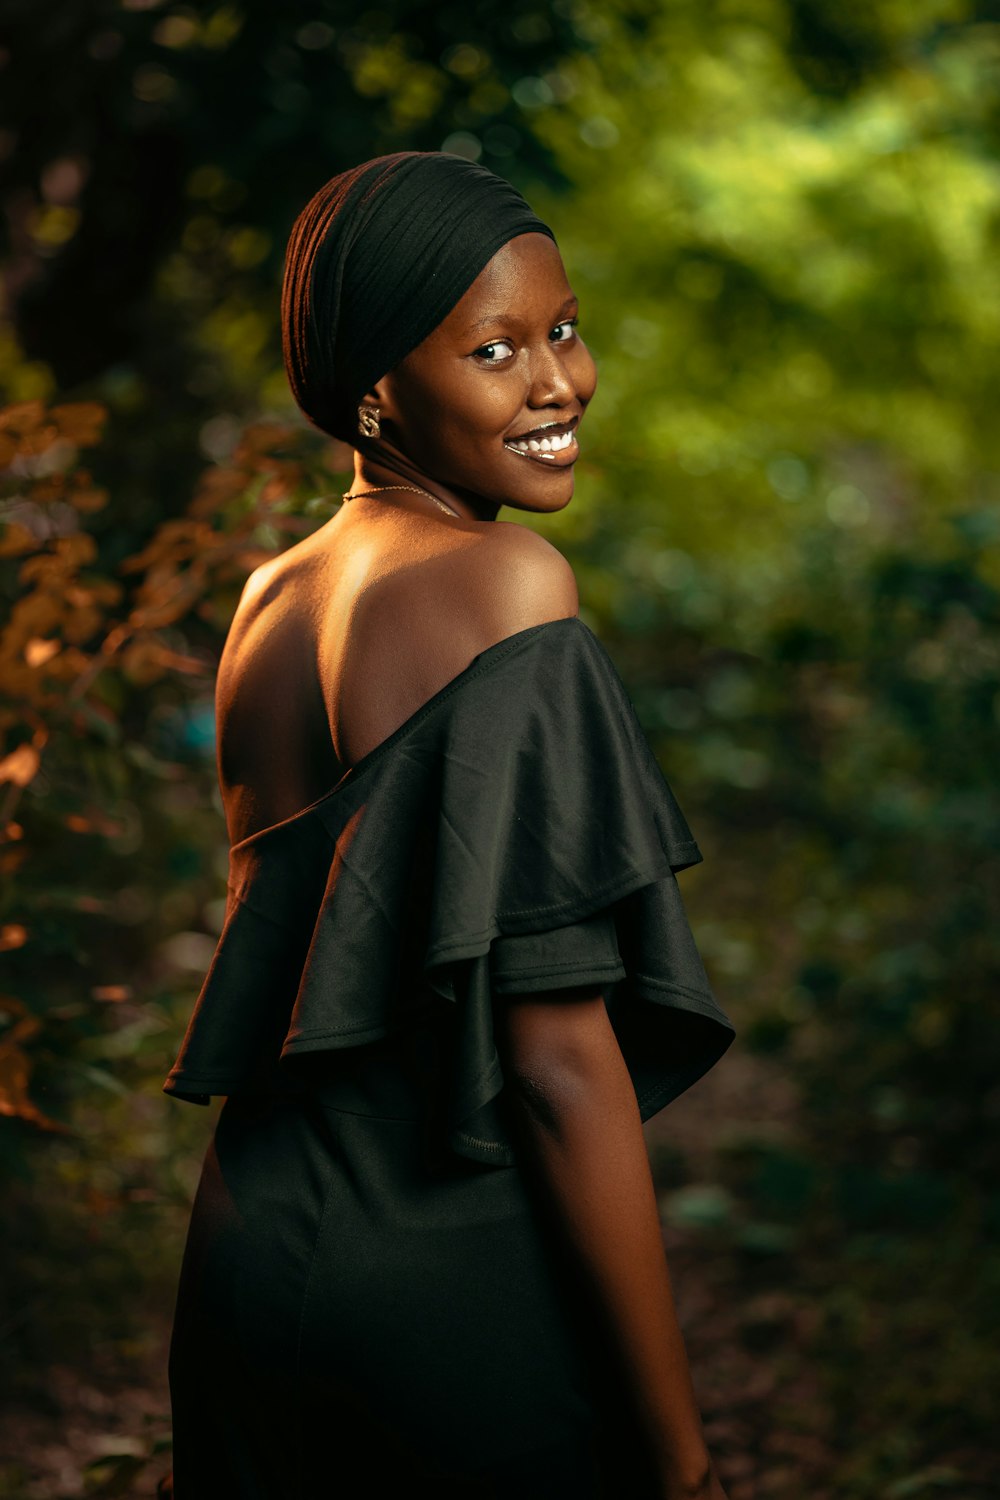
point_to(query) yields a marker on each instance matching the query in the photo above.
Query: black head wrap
(375, 261)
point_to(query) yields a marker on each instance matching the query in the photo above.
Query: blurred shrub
(112, 868)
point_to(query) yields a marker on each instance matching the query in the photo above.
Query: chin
(557, 499)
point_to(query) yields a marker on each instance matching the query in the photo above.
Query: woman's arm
(576, 1114)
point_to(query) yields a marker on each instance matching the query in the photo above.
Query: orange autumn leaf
(12, 935)
(36, 614)
(25, 1024)
(175, 541)
(70, 664)
(77, 549)
(15, 1101)
(38, 439)
(66, 555)
(81, 625)
(112, 994)
(22, 417)
(21, 765)
(93, 822)
(177, 661)
(16, 539)
(216, 488)
(146, 658)
(171, 606)
(80, 422)
(88, 500)
(38, 651)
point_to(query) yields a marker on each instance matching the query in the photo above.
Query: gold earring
(368, 423)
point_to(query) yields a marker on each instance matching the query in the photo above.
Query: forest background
(783, 222)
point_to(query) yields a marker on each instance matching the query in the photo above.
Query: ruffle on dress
(515, 835)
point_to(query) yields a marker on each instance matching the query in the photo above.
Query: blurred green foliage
(782, 221)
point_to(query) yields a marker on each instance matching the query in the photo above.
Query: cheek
(472, 408)
(499, 403)
(449, 424)
(583, 372)
(429, 414)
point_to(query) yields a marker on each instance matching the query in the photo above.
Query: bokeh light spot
(463, 143)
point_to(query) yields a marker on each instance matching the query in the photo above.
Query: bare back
(340, 640)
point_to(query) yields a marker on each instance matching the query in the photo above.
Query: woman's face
(505, 372)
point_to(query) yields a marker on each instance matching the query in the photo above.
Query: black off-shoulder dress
(372, 1296)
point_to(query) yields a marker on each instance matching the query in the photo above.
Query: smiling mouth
(555, 446)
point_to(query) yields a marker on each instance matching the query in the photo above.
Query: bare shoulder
(269, 608)
(526, 580)
(273, 586)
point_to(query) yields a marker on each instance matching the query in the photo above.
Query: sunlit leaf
(37, 651)
(15, 539)
(22, 418)
(21, 765)
(81, 422)
(88, 500)
(112, 994)
(15, 1100)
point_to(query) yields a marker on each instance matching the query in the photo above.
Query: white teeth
(544, 445)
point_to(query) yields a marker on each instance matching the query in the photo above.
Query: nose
(550, 381)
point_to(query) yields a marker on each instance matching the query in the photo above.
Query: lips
(562, 435)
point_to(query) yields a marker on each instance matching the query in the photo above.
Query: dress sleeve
(641, 952)
(568, 859)
(582, 953)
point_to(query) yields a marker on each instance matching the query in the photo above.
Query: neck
(370, 473)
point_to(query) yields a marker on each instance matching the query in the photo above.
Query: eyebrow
(506, 317)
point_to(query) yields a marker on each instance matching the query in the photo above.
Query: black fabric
(515, 835)
(375, 261)
(373, 1282)
(350, 1321)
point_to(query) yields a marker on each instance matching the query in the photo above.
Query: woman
(455, 975)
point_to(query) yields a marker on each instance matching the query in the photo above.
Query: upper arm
(545, 1039)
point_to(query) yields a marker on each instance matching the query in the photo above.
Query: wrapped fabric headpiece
(375, 261)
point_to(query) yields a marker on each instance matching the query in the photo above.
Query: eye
(569, 324)
(487, 352)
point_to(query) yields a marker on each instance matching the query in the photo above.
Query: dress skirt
(357, 1313)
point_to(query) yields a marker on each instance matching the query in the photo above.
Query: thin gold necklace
(380, 489)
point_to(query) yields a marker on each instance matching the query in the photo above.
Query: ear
(380, 395)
